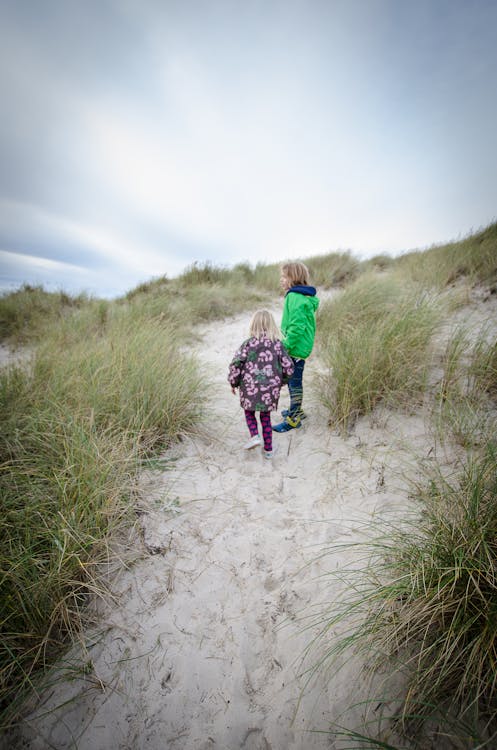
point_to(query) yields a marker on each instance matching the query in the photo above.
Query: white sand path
(202, 647)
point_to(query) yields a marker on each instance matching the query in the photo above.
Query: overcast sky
(137, 136)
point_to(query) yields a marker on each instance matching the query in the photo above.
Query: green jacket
(298, 324)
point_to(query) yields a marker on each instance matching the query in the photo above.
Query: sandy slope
(203, 646)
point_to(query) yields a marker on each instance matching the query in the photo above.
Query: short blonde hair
(263, 324)
(296, 273)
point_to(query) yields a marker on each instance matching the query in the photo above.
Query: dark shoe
(286, 412)
(288, 424)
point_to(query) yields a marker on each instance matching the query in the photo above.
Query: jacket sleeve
(236, 366)
(287, 366)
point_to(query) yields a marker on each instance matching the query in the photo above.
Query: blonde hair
(296, 273)
(263, 324)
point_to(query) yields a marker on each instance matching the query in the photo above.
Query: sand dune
(205, 644)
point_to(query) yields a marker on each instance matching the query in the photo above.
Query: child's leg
(295, 387)
(267, 433)
(251, 422)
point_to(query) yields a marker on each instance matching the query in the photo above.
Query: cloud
(141, 136)
(35, 262)
(101, 253)
(43, 225)
(52, 275)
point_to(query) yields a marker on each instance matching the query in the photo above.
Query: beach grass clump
(207, 302)
(126, 376)
(262, 276)
(483, 365)
(267, 277)
(75, 425)
(464, 419)
(467, 393)
(333, 269)
(377, 263)
(204, 273)
(26, 312)
(447, 613)
(151, 287)
(242, 276)
(188, 305)
(375, 345)
(473, 259)
(420, 602)
(62, 488)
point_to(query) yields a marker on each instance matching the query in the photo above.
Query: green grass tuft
(27, 312)
(375, 343)
(421, 600)
(75, 425)
(473, 258)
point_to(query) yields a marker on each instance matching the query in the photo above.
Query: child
(298, 326)
(259, 368)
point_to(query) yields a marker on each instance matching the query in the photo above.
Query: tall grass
(446, 594)
(483, 365)
(190, 301)
(75, 425)
(25, 313)
(129, 378)
(333, 269)
(204, 273)
(375, 345)
(421, 600)
(63, 488)
(242, 276)
(207, 302)
(473, 258)
(465, 409)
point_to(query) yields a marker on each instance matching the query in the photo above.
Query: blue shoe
(286, 412)
(288, 424)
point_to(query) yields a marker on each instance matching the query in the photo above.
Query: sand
(205, 644)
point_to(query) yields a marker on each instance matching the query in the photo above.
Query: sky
(140, 136)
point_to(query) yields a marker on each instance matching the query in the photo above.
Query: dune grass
(473, 258)
(483, 366)
(202, 293)
(63, 493)
(26, 313)
(375, 345)
(421, 601)
(466, 399)
(95, 400)
(333, 269)
(206, 302)
(109, 383)
(444, 596)
(189, 307)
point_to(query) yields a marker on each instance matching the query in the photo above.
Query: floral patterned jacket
(259, 368)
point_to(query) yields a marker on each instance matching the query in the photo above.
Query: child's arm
(287, 366)
(236, 366)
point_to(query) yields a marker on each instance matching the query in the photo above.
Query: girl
(259, 369)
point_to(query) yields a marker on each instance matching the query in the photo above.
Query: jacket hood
(308, 291)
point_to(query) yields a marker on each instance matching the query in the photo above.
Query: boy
(298, 326)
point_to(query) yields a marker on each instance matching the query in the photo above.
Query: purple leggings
(267, 433)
